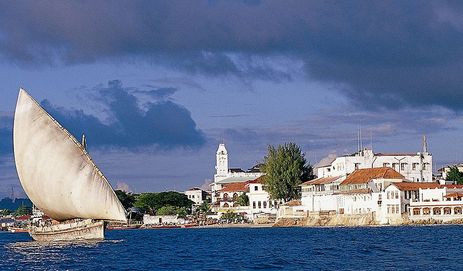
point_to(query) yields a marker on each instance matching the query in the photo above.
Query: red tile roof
(365, 175)
(293, 203)
(408, 186)
(454, 195)
(453, 186)
(324, 180)
(235, 187)
(261, 179)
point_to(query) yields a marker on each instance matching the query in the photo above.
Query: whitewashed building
(197, 195)
(225, 175)
(260, 203)
(415, 167)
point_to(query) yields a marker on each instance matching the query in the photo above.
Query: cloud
(6, 137)
(383, 54)
(163, 124)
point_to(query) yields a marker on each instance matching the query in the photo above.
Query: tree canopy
(23, 210)
(243, 200)
(455, 175)
(285, 167)
(151, 202)
(172, 210)
(127, 199)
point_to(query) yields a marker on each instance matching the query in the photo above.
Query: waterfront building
(162, 220)
(443, 203)
(260, 203)
(197, 195)
(225, 175)
(415, 167)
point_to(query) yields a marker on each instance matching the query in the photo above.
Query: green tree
(285, 167)
(172, 210)
(5, 212)
(204, 208)
(243, 200)
(455, 175)
(127, 199)
(23, 210)
(150, 202)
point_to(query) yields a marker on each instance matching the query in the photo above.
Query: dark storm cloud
(383, 53)
(6, 136)
(163, 124)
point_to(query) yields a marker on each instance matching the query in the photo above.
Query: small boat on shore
(60, 178)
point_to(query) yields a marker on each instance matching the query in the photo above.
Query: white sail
(55, 171)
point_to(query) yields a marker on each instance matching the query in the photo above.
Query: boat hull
(81, 230)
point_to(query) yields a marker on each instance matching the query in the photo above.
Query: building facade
(415, 167)
(225, 175)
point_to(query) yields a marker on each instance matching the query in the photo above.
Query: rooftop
(235, 187)
(365, 175)
(324, 180)
(236, 179)
(408, 186)
(261, 179)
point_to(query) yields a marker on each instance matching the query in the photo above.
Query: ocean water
(378, 248)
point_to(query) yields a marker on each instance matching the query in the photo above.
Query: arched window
(259, 204)
(225, 196)
(447, 211)
(225, 205)
(416, 211)
(235, 196)
(457, 210)
(253, 205)
(265, 204)
(426, 211)
(436, 211)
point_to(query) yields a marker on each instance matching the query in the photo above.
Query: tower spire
(425, 144)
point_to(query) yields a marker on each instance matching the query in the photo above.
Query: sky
(157, 85)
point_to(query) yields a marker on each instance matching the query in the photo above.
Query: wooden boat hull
(81, 230)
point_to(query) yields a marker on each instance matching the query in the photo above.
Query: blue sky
(156, 85)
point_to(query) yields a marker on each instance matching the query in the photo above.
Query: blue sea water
(377, 248)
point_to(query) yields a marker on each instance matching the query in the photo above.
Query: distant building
(445, 170)
(415, 167)
(225, 175)
(197, 195)
(162, 220)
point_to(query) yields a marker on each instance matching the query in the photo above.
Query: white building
(445, 170)
(416, 167)
(162, 220)
(225, 175)
(197, 195)
(260, 203)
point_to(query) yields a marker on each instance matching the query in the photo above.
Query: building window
(457, 210)
(235, 196)
(225, 205)
(447, 211)
(259, 204)
(395, 166)
(386, 165)
(416, 211)
(357, 165)
(436, 211)
(403, 166)
(415, 166)
(265, 205)
(426, 211)
(396, 194)
(225, 196)
(253, 205)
